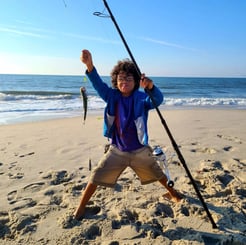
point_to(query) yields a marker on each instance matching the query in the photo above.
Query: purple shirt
(125, 134)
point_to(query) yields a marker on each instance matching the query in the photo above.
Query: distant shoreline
(98, 113)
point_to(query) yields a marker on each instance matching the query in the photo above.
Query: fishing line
(174, 144)
(107, 32)
(64, 3)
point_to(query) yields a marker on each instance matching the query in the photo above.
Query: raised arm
(86, 58)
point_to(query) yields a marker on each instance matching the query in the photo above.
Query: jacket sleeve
(101, 87)
(157, 96)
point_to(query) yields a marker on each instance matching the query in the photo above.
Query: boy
(125, 123)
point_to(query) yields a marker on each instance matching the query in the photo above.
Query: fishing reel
(162, 160)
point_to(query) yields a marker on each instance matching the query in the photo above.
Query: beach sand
(44, 166)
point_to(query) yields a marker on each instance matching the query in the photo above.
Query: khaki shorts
(114, 162)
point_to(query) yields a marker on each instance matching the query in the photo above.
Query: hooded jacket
(142, 105)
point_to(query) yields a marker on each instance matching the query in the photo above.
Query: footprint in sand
(11, 197)
(164, 210)
(16, 176)
(19, 202)
(91, 211)
(57, 178)
(204, 150)
(77, 188)
(34, 186)
(23, 203)
(229, 138)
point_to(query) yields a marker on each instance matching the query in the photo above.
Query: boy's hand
(145, 82)
(86, 58)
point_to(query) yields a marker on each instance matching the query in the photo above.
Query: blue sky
(166, 37)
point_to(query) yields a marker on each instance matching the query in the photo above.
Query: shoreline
(64, 115)
(44, 166)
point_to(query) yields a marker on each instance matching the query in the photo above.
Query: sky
(189, 38)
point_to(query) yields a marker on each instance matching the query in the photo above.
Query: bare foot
(175, 197)
(78, 214)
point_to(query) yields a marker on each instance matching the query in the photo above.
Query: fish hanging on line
(85, 100)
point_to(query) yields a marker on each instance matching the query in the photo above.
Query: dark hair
(128, 67)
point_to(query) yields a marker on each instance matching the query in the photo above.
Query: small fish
(85, 100)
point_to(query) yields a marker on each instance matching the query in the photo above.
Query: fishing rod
(174, 144)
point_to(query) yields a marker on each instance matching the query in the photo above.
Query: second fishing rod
(174, 144)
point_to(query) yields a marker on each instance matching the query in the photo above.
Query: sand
(44, 166)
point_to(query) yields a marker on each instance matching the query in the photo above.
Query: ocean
(26, 98)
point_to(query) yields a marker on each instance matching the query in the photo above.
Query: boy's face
(125, 83)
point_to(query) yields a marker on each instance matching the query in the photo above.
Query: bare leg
(173, 194)
(88, 192)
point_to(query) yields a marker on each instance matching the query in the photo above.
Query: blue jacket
(142, 104)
